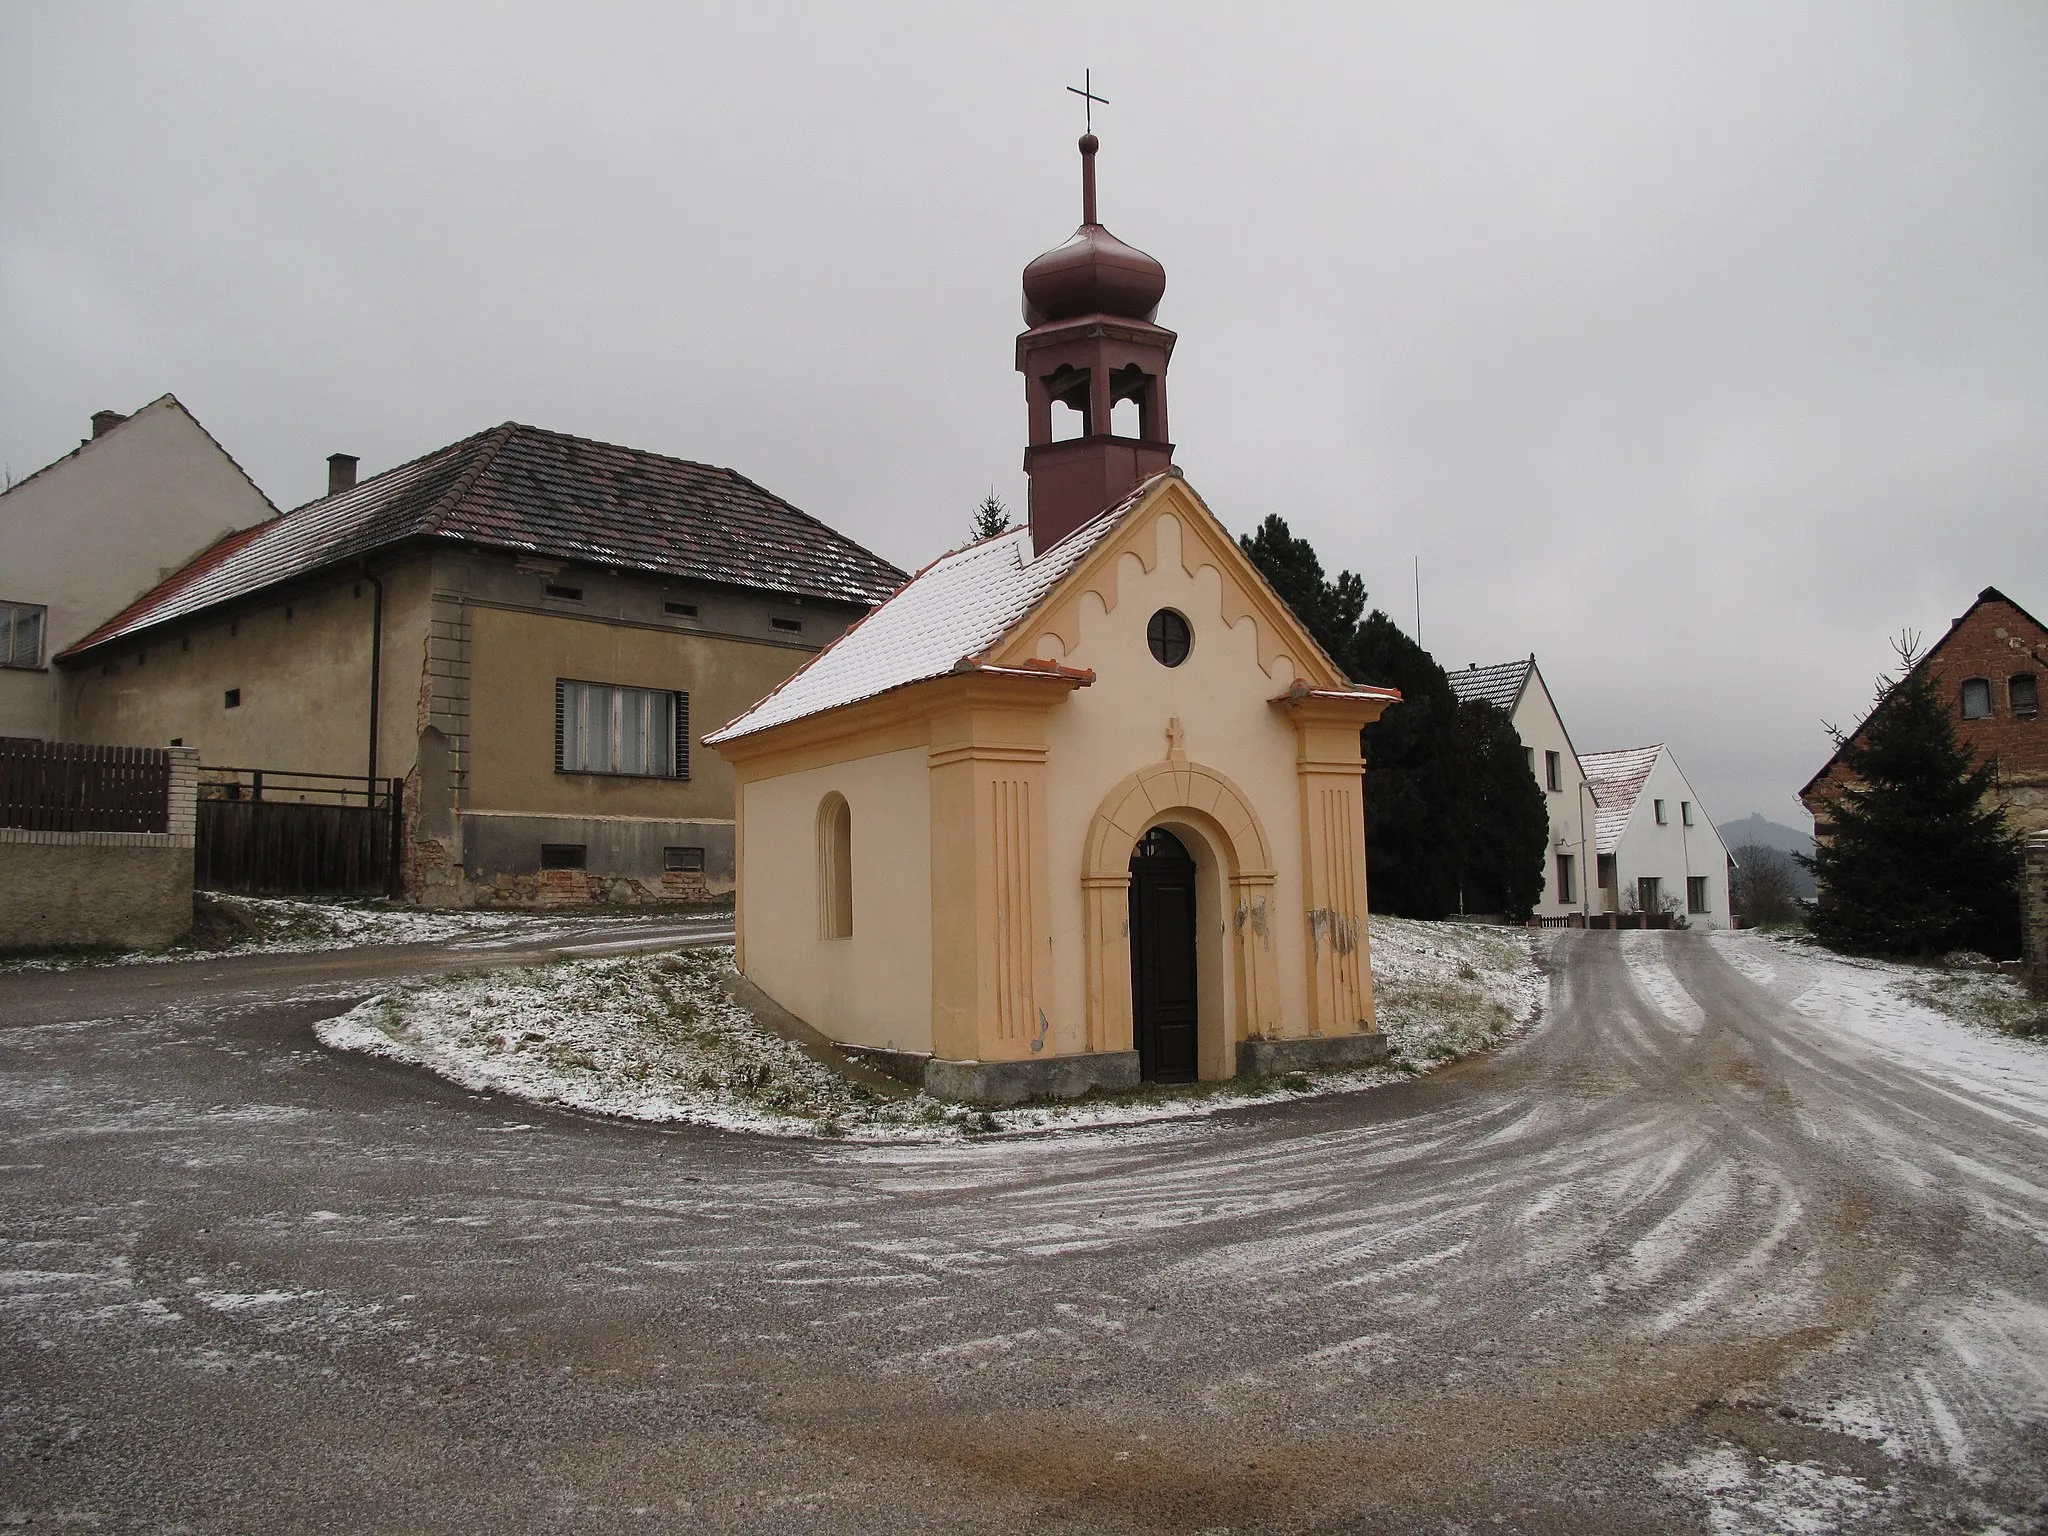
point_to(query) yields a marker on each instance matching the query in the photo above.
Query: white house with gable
(1517, 689)
(1658, 850)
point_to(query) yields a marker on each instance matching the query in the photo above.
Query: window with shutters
(639, 733)
(21, 635)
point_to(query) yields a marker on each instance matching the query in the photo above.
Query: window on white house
(1976, 698)
(1553, 772)
(835, 868)
(21, 634)
(2025, 692)
(1567, 878)
(1685, 812)
(1604, 871)
(1658, 807)
(1696, 894)
(635, 732)
(1649, 894)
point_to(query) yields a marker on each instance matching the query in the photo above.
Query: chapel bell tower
(1092, 346)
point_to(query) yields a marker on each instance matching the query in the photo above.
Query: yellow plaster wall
(304, 682)
(516, 658)
(1220, 695)
(876, 987)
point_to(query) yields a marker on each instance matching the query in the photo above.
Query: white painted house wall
(91, 533)
(1571, 806)
(1672, 852)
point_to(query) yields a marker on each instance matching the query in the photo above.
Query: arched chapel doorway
(1165, 997)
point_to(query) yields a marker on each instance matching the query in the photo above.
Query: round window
(1170, 638)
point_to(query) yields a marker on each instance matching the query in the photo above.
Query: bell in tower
(1091, 345)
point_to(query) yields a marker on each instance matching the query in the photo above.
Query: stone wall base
(2034, 915)
(1317, 1053)
(1012, 1082)
(89, 889)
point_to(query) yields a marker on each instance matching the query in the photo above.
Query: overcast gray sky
(1696, 349)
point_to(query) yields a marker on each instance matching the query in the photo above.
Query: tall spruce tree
(1506, 828)
(1913, 863)
(991, 517)
(1447, 827)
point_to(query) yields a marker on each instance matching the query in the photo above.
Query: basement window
(21, 634)
(1976, 698)
(566, 594)
(563, 855)
(687, 861)
(2025, 692)
(232, 699)
(680, 610)
(789, 626)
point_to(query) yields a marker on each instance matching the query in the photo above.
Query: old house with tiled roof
(1659, 851)
(1517, 690)
(525, 627)
(1990, 667)
(1082, 804)
(88, 534)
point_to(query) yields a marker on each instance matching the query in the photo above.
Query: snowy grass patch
(1445, 990)
(1966, 988)
(656, 1038)
(227, 925)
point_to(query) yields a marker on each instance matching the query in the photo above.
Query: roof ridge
(494, 441)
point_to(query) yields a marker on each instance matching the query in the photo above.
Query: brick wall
(127, 889)
(1996, 641)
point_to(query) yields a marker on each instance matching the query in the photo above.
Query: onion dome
(1094, 273)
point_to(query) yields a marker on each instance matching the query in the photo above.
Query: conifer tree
(991, 517)
(1912, 862)
(1448, 797)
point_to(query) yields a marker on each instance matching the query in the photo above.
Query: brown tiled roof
(544, 493)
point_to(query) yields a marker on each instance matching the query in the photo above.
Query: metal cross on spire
(1086, 91)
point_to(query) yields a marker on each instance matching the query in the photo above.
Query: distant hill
(1757, 830)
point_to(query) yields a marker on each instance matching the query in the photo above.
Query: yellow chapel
(1081, 805)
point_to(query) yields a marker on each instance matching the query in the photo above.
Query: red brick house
(1990, 665)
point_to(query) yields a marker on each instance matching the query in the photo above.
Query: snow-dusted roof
(1499, 684)
(1617, 778)
(524, 489)
(950, 612)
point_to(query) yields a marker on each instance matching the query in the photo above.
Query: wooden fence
(271, 833)
(68, 786)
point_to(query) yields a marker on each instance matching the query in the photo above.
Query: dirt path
(1679, 1254)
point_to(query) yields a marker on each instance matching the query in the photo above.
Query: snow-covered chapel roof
(948, 614)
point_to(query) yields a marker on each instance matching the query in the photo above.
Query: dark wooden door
(1163, 1008)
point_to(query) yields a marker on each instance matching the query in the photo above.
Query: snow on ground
(1949, 1025)
(656, 1038)
(1748, 1495)
(249, 925)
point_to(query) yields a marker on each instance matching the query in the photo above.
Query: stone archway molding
(1178, 791)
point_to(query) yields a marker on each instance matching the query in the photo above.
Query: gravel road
(1679, 1260)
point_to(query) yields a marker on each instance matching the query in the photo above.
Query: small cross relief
(1176, 741)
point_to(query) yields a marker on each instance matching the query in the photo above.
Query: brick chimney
(341, 473)
(104, 422)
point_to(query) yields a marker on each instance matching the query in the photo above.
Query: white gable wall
(1571, 805)
(1673, 852)
(93, 532)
